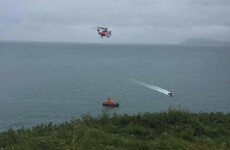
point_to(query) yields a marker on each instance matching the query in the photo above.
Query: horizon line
(69, 42)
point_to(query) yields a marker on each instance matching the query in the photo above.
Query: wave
(152, 87)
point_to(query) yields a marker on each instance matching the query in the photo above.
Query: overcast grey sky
(132, 21)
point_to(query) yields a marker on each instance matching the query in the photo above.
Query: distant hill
(205, 42)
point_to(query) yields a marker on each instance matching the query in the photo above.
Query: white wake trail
(152, 87)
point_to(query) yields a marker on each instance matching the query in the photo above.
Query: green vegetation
(174, 130)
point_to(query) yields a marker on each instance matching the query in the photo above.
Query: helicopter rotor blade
(101, 27)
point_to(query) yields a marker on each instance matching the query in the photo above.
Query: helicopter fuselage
(104, 33)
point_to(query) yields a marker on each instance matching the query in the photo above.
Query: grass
(174, 129)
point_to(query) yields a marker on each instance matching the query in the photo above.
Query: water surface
(53, 82)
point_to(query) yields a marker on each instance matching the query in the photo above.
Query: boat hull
(111, 105)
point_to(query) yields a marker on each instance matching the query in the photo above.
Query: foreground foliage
(175, 129)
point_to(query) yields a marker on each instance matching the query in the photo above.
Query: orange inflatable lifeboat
(110, 102)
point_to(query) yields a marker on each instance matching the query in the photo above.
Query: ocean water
(54, 82)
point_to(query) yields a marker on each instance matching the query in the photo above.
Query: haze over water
(53, 82)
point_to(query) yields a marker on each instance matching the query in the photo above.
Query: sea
(55, 82)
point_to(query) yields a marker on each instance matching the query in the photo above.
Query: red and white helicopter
(104, 32)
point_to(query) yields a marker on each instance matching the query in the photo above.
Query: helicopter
(104, 32)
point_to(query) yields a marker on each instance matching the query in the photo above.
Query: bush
(175, 129)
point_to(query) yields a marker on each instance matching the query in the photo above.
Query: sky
(131, 21)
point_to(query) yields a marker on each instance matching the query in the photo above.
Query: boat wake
(152, 87)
